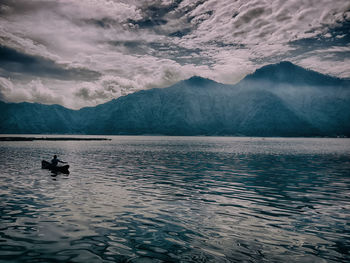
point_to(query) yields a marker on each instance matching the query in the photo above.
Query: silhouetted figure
(55, 161)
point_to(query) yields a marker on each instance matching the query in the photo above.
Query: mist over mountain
(277, 100)
(286, 72)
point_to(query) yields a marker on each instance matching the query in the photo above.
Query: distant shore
(14, 139)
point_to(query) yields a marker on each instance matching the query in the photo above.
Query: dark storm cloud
(104, 23)
(180, 33)
(13, 62)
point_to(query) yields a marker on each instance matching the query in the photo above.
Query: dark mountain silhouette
(277, 100)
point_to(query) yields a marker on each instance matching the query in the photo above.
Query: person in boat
(55, 161)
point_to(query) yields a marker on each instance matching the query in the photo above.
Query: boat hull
(49, 166)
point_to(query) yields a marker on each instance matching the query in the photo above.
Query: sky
(83, 53)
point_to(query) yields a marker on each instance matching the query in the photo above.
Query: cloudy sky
(82, 53)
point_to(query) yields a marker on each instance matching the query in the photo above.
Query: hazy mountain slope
(286, 72)
(187, 109)
(36, 118)
(321, 100)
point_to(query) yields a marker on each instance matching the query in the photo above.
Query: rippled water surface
(177, 199)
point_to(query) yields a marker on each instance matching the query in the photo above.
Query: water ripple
(177, 199)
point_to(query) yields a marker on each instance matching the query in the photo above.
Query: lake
(177, 199)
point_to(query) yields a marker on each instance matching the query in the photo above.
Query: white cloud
(111, 86)
(100, 9)
(326, 65)
(34, 91)
(230, 39)
(250, 22)
(6, 87)
(263, 29)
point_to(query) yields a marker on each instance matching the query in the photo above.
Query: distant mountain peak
(284, 63)
(281, 67)
(289, 73)
(198, 81)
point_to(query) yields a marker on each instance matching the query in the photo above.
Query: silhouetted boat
(61, 169)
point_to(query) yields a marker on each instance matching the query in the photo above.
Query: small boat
(61, 169)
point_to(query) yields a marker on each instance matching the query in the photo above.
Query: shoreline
(28, 139)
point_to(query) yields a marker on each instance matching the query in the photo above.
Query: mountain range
(276, 100)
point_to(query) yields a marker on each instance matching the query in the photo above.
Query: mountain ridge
(287, 72)
(269, 102)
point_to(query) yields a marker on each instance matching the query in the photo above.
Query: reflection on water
(177, 199)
